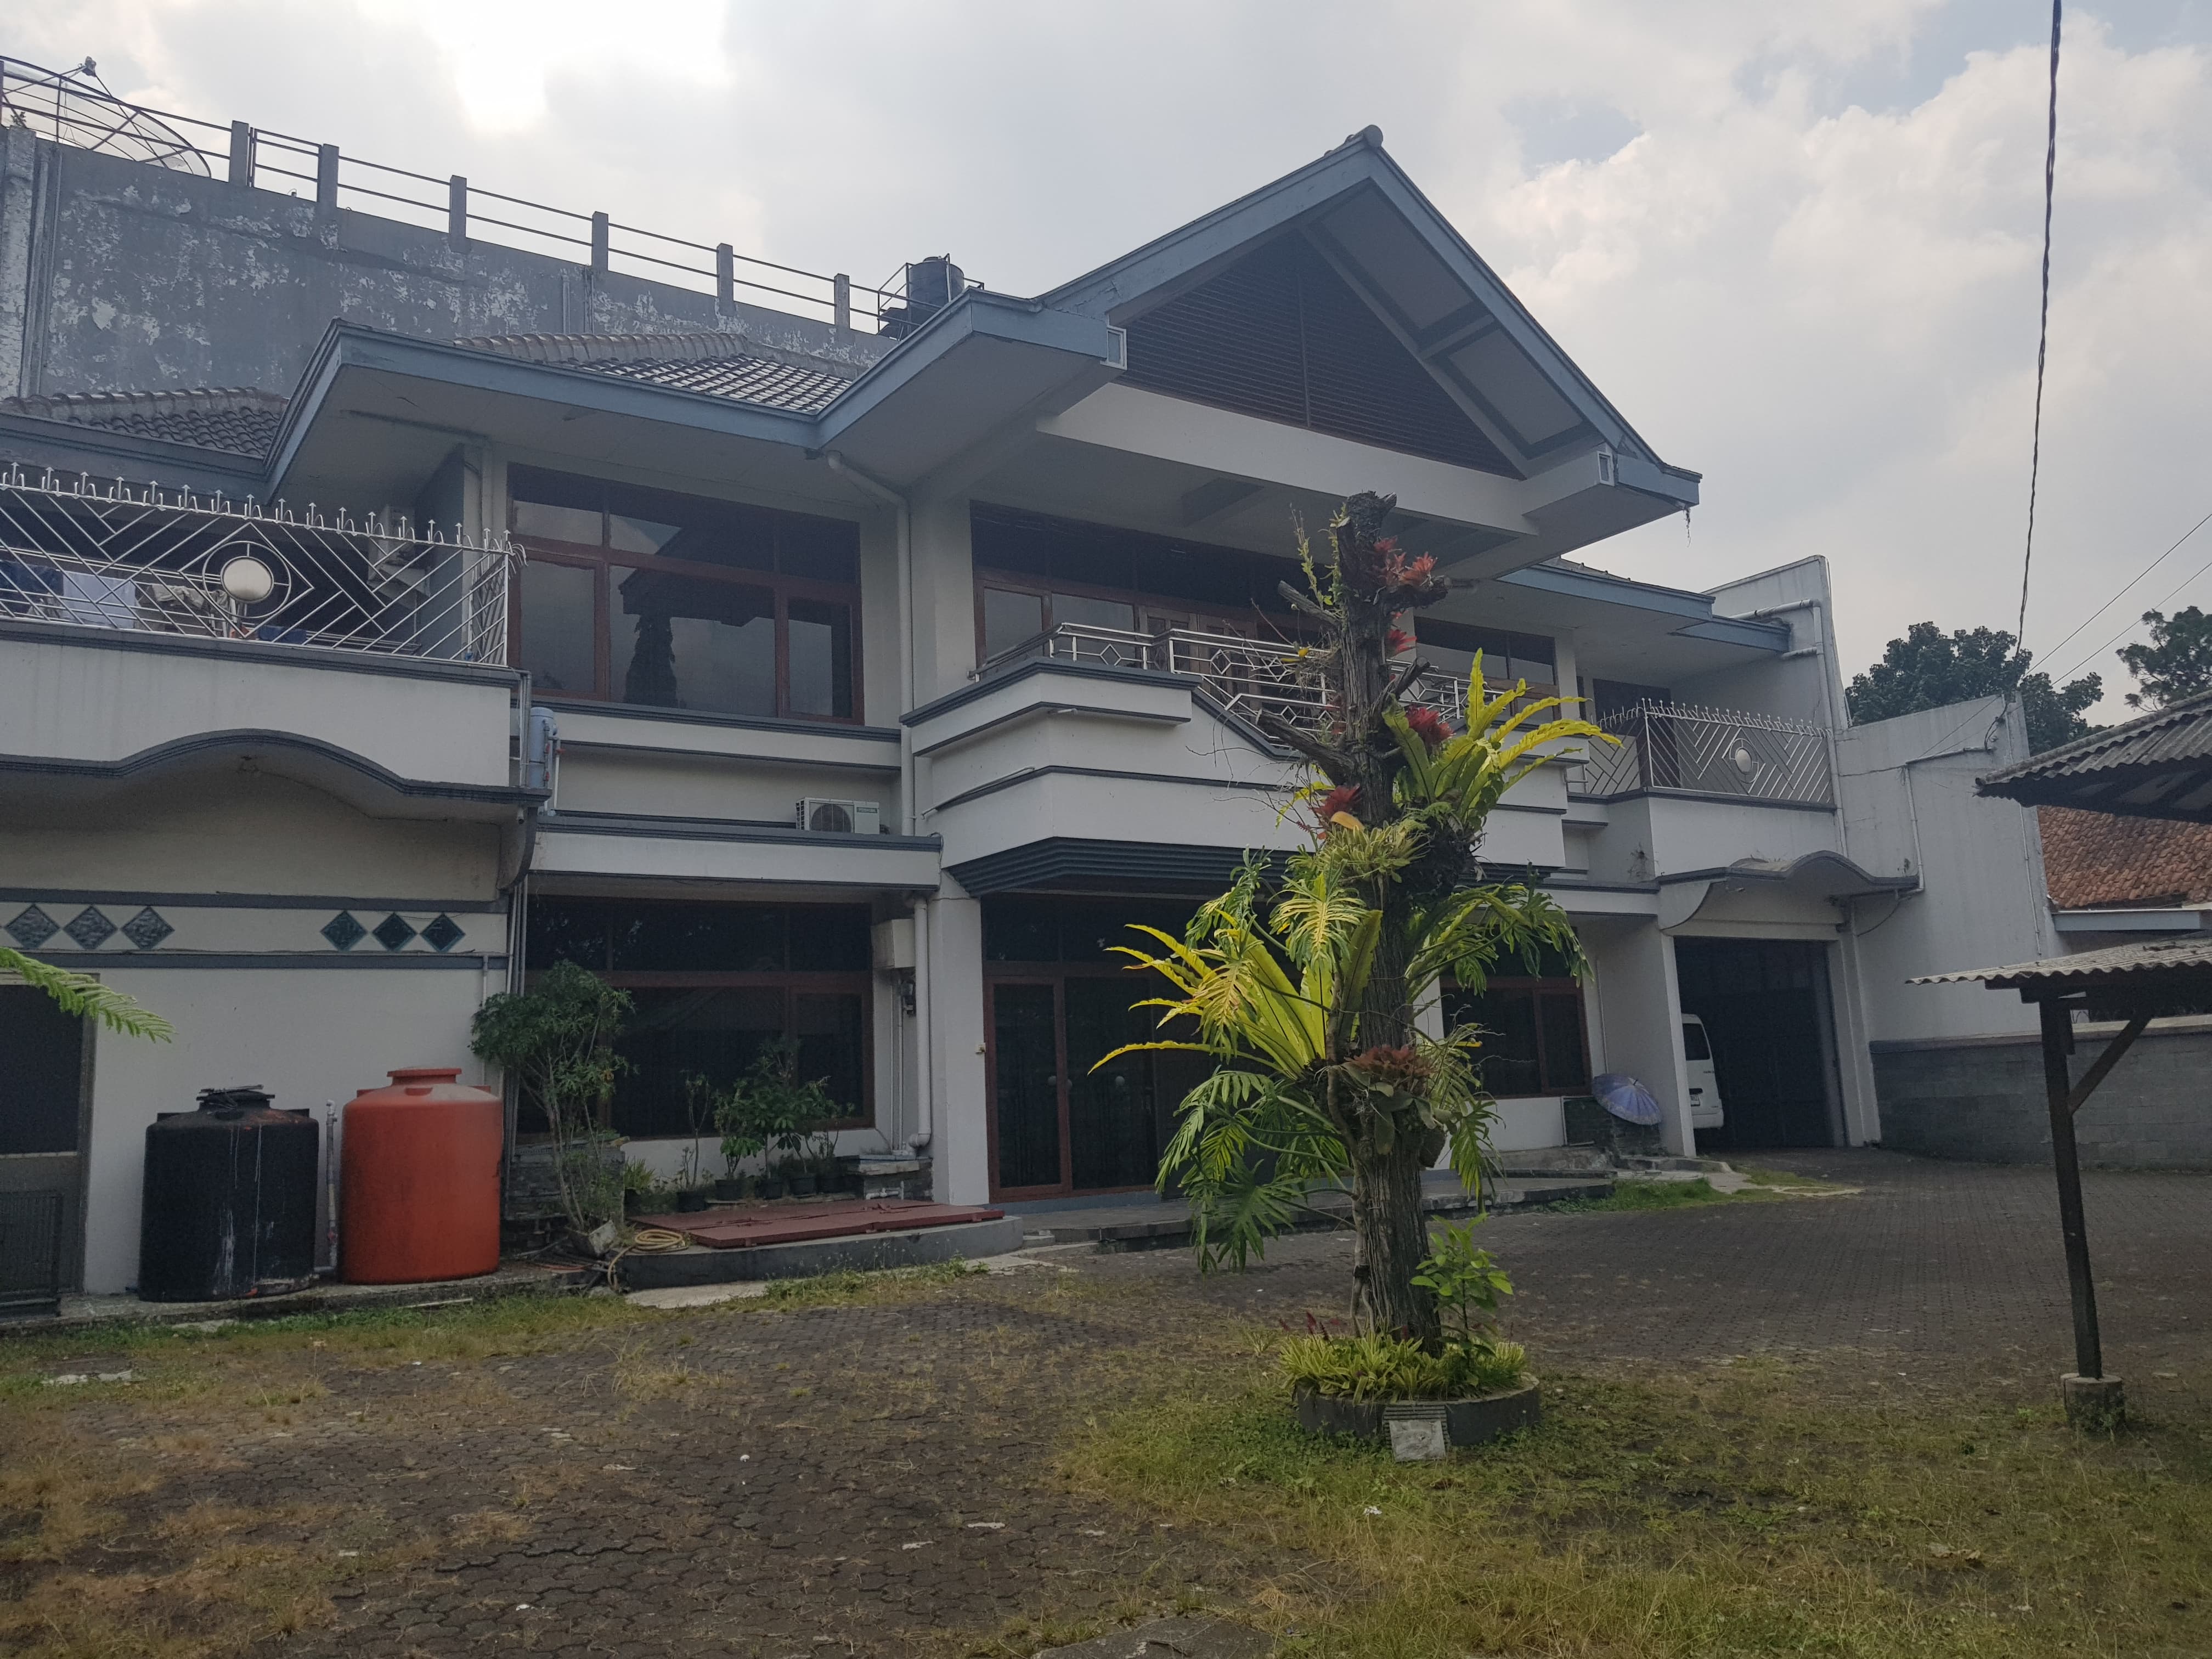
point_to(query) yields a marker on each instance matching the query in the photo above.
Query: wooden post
(2065, 1162)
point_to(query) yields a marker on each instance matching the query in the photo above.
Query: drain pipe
(924, 1072)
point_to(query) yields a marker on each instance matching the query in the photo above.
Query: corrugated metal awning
(2158, 767)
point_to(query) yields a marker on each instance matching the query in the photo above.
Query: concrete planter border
(1471, 1422)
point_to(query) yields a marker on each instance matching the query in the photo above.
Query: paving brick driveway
(851, 1479)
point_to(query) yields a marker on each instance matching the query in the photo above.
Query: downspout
(925, 1072)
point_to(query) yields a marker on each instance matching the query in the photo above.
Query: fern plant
(87, 998)
(1306, 992)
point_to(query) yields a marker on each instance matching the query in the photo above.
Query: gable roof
(1357, 209)
(1281, 335)
(237, 420)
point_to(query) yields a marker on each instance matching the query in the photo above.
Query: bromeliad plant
(1307, 990)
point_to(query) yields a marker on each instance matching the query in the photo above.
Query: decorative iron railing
(93, 554)
(1249, 677)
(1707, 751)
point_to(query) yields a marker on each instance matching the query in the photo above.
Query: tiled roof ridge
(168, 400)
(590, 350)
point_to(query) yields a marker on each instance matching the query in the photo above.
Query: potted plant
(769, 1110)
(1355, 1383)
(557, 1038)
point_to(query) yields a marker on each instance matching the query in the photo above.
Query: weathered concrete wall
(1981, 1098)
(117, 275)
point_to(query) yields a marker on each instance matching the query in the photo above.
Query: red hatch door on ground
(730, 1227)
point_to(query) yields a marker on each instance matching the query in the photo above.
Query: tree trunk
(1391, 1241)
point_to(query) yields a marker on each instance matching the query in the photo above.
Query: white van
(1705, 1091)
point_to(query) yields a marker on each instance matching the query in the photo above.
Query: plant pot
(802, 1186)
(1469, 1422)
(769, 1185)
(691, 1201)
(632, 1202)
(730, 1189)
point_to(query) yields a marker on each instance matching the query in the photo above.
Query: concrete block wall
(1981, 1098)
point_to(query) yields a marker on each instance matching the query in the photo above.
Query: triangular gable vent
(1279, 335)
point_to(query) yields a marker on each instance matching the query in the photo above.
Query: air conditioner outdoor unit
(844, 817)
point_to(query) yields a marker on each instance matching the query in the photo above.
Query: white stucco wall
(306, 1036)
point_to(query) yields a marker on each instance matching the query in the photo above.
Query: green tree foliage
(1930, 668)
(556, 1039)
(83, 995)
(2176, 663)
(1306, 991)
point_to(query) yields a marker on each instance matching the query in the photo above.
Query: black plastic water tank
(229, 1206)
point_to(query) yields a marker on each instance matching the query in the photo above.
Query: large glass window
(712, 985)
(1034, 574)
(676, 602)
(1533, 1040)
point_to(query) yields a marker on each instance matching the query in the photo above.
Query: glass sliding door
(1026, 1106)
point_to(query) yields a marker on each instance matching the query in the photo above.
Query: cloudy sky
(1798, 244)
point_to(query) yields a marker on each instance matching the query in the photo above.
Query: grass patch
(1631, 1193)
(1742, 1512)
(850, 1288)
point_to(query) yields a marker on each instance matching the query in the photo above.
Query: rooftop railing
(1707, 751)
(74, 107)
(91, 553)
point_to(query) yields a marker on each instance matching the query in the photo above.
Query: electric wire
(2130, 582)
(2043, 328)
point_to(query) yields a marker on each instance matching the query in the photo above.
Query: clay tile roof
(239, 420)
(721, 365)
(2094, 860)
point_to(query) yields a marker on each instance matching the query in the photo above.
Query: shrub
(1375, 1367)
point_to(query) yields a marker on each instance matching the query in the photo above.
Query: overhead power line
(2043, 328)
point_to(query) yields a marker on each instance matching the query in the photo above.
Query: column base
(2097, 1404)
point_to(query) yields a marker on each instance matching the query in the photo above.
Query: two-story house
(856, 678)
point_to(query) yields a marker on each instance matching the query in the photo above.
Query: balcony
(1247, 677)
(153, 561)
(1673, 748)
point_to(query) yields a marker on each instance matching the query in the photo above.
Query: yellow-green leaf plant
(1305, 985)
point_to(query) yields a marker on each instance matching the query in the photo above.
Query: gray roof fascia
(976, 314)
(214, 468)
(348, 345)
(1695, 609)
(1677, 484)
(1358, 161)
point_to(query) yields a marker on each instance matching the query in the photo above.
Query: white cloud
(1811, 272)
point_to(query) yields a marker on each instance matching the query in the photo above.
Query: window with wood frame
(639, 596)
(712, 985)
(1535, 1041)
(1034, 573)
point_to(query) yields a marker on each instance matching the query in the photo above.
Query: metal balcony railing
(80, 551)
(1707, 751)
(1247, 676)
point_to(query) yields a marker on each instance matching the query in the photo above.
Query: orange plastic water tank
(419, 1182)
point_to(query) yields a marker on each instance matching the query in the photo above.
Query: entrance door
(1765, 1004)
(1058, 1127)
(1027, 1146)
(42, 1108)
